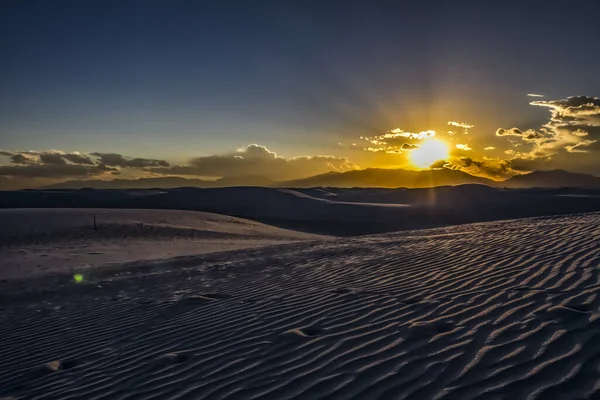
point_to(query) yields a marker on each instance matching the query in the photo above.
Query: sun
(428, 153)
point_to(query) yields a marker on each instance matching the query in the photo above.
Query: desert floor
(498, 310)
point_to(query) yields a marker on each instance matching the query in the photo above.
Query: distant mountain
(142, 183)
(370, 177)
(555, 179)
(169, 182)
(389, 178)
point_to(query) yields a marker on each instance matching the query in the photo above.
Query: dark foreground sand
(499, 310)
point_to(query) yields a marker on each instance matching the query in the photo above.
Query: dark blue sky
(178, 79)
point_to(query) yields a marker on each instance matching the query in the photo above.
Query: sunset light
(299, 199)
(428, 153)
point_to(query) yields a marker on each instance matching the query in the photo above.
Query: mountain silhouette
(370, 177)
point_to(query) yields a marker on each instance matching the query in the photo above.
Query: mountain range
(370, 177)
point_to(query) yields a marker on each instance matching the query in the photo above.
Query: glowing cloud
(400, 133)
(460, 124)
(535, 95)
(394, 141)
(463, 147)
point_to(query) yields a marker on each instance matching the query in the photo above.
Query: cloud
(535, 95)
(52, 158)
(408, 146)
(489, 148)
(399, 134)
(23, 159)
(256, 159)
(46, 157)
(396, 133)
(77, 158)
(460, 124)
(492, 168)
(463, 125)
(509, 132)
(530, 135)
(440, 164)
(573, 110)
(117, 160)
(394, 141)
(39, 168)
(34, 168)
(575, 148)
(574, 127)
(463, 147)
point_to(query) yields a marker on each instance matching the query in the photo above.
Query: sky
(100, 89)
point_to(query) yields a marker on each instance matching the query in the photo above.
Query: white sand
(42, 241)
(502, 310)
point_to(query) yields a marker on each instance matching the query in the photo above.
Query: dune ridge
(332, 211)
(505, 309)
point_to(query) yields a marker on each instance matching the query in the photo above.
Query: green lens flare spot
(78, 278)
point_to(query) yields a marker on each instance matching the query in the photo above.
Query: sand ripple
(503, 310)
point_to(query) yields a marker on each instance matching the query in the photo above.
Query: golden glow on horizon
(429, 152)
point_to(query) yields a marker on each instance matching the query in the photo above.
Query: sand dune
(502, 310)
(332, 211)
(41, 241)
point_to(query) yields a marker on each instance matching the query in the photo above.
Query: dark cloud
(258, 160)
(39, 168)
(46, 157)
(509, 132)
(532, 135)
(585, 108)
(408, 146)
(571, 114)
(117, 160)
(52, 158)
(493, 168)
(78, 159)
(439, 164)
(574, 127)
(42, 167)
(23, 159)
